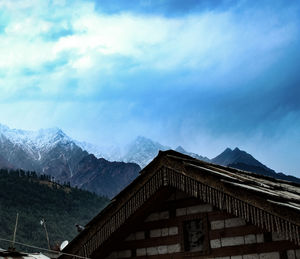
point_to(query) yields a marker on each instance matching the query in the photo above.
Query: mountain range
(94, 168)
(52, 152)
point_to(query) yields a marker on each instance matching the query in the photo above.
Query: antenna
(43, 223)
(15, 232)
(63, 245)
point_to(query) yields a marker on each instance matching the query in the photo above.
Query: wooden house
(180, 207)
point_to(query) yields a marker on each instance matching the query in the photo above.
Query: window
(194, 235)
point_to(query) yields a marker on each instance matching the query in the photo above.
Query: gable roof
(263, 201)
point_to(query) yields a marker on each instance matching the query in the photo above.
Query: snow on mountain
(183, 151)
(142, 150)
(48, 151)
(110, 153)
(35, 143)
(52, 152)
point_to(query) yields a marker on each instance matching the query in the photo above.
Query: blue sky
(202, 74)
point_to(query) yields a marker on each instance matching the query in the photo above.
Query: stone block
(140, 235)
(222, 257)
(215, 243)
(291, 254)
(251, 256)
(141, 252)
(193, 209)
(250, 239)
(155, 232)
(232, 241)
(217, 224)
(206, 208)
(162, 250)
(297, 253)
(234, 222)
(164, 215)
(272, 255)
(164, 232)
(180, 212)
(236, 257)
(124, 254)
(153, 217)
(173, 248)
(260, 238)
(152, 251)
(278, 237)
(173, 231)
(199, 209)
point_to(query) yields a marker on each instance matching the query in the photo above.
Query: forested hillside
(36, 197)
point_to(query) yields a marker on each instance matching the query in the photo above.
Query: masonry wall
(163, 234)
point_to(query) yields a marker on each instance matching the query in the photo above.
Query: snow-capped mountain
(52, 152)
(35, 142)
(110, 153)
(48, 151)
(180, 149)
(142, 150)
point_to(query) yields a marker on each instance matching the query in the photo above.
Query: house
(181, 207)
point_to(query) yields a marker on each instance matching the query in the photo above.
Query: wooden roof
(263, 201)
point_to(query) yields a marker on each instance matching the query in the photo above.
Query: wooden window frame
(206, 250)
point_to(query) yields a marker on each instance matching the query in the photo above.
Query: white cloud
(202, 42)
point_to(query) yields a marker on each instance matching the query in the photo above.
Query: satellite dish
(63, 245)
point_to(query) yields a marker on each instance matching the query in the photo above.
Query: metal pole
(47, 234)
(15, 231)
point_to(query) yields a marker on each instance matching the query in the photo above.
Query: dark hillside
(35, 198)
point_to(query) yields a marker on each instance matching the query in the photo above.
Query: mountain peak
(180, 149)
(227, 150)
(52, 131)
(142, 150)
(143, 140)
(229, 157)
(3, 127)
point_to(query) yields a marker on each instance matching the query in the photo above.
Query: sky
(205, 75)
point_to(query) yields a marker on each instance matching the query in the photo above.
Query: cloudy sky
(202, 74)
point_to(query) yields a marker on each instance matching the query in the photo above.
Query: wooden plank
(235, 231)
(154, 241)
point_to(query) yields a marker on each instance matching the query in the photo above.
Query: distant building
(180, 207)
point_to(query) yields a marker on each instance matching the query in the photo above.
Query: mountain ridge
(52, 152)
(242, 160)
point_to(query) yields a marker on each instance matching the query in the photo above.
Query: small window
(194, 235)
